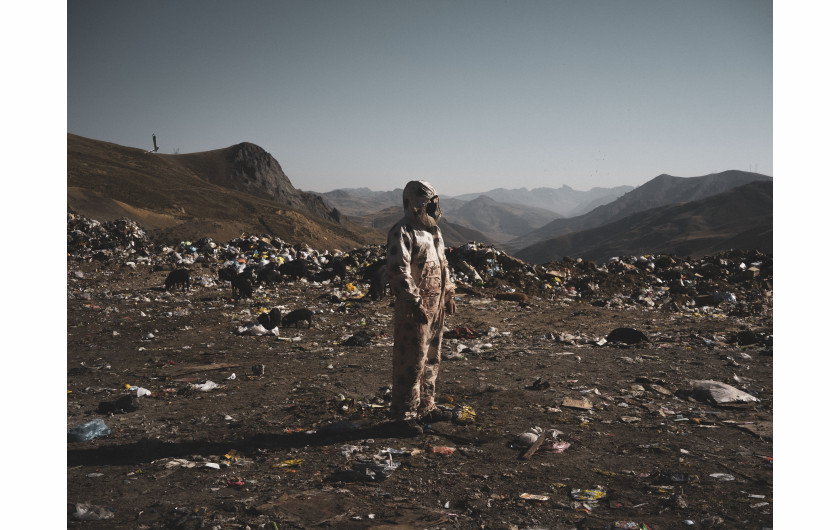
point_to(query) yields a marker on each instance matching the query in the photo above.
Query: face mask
(433, 208)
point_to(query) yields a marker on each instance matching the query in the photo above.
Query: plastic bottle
(88, 431)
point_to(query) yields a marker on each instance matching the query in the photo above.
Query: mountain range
(563, 201)
(741, 217)
(660, 191)
(495, 221)
(242, 189)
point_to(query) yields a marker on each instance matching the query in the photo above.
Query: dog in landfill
(295, 268)
(269, 275)
(339, 266)
(376, 274)
(241, 286)
(176, 278)
(227, 274)
(270, 320)
(296, 316)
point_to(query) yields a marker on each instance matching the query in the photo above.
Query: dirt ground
(291, 436)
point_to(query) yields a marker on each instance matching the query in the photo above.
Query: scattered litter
(294, 462)
(460, 332)
(675, 477)
(140, 391)
(628, 525)
(370, 471)
(588, 495)
(527, 438)
(583, 403)
(553, 447)
(719, 392)
(532, 497)
(90, 512)
(463, 414)
(88, 431)
(205, 386)
(257, 330)
(675, 287)
(722, 476)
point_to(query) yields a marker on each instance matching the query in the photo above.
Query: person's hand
(450, 306)
(419, 314)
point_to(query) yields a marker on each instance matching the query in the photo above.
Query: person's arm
(399, 265)
(399, 270)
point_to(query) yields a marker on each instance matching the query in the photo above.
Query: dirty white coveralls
(420, 281)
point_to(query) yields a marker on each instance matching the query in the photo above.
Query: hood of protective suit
(421, 204)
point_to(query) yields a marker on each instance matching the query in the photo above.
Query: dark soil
(284, 434)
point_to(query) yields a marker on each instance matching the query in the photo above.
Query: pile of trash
(90, 239)
(733, 282)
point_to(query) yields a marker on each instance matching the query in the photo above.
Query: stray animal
(338, 266)
(296, 316)
(271, 319)
(227, 274)
(269, 276)
(376, 274)
(241, 286)
(295, 268)
(513, 297)
(178, 277)
(627, 336)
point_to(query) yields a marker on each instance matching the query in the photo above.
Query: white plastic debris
(204, 387)
(141, 391)
(720, 392)
(257, 330)
(91, 512)
(722, 476)
(528, 437)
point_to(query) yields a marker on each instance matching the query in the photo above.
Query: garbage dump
(634, 393)
(736, 282)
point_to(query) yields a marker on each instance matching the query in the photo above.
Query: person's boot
(408, 428)
(435, 415)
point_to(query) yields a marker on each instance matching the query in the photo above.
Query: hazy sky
(471, 95)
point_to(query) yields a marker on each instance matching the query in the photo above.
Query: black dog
(376, 274)
(270, 320)
(227, 274)
(241, 286)
(295, 268)
(298, 315)
(269, 276)
(178, 277)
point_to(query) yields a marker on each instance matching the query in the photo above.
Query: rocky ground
(236, 427)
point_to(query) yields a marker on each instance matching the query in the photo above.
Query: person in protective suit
(420, 281)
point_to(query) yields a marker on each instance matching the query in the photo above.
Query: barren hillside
(220, 194)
